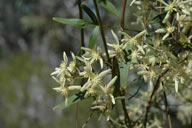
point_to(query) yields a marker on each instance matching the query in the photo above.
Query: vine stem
(156, 87)
(82, 30)
(166, 107)
(82, 45)
(116, 123)
(123, 14)
(101, 30)
(122, 93)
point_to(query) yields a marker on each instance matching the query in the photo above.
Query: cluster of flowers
(158, 56)
(166, 50)
(150, 54)
(67, 75)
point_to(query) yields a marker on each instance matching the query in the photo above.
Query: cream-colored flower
(93, 55)
(87, 68)
(63, 66)
(95, 80)
(65, 90)
(132, 40)
(169, 8)
(175, 79)
(170, 29)
(61, 72)
(72, 64)
(118, 48)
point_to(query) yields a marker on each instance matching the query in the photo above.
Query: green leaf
(71, 100)
(158, 18)
(90, 13)
(124, 72)
(108, 6)
(93, 37)
(80, 23)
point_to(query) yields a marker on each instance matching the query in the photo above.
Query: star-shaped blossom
(72, 64)
(170, 29)
(118, 48)
(65, 90)
(93, 55)
(132, 40)
(169, 8)
(61, 72)
(95, 80)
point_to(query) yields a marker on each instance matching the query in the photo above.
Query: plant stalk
(101, 30)
(82, 30)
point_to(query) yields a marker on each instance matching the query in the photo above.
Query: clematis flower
(87, 68)
(175, 79)
(169, 8)
(170, 29)
(118, 48)
(132, 40)
(72, 64)
(93, 55)
(106, 99)
(65, 90)
(108, 89)
(95, 80)
(61, 72)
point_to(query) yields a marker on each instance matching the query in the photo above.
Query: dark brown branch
(81, 17)
(101, 30)
(135, 93)
(123, 14)
(167, 108)
(127, 118)
(151, 97)
(90, 116)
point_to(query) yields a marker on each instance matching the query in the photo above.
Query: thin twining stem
(101, 30)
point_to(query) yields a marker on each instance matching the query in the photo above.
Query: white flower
(63, 66)
(170, 29)
(95, 80)
(87, 68)
(72, 64)
(65, 90)
(175, 79)
(132, 40)
(93, 55)
(118, 48)
(169, 8)
(61, 72)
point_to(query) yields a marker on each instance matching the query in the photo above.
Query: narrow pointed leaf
(90, 13)
(158, 18)
(124, 72)
(80, 23)
(93, 37)
(72, 100)
(108, 6)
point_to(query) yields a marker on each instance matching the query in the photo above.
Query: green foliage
(108, 6)
(72, 100)
(93, 37)
(156, 55)
(124, 72)
(90, 13)
(74, 22)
